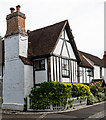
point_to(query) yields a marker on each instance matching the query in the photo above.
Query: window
(90, 72)
(65, 68)
(39, 64)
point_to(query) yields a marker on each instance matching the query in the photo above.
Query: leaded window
(39, 64)
(65, 68)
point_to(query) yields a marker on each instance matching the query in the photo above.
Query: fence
(77, 101)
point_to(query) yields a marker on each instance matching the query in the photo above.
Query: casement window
(65, 68)
(90, 72)
(39, 64)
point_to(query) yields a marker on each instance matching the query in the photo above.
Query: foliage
(55, 93)
(96, 87)
(79, 89)
(25, 104)
(91, 100)
(98, 93)
(0, 101)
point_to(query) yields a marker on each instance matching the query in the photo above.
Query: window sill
(40, 70)
(65, 76)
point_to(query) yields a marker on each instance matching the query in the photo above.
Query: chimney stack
(18, 8)
(12, 10)
(15, 22)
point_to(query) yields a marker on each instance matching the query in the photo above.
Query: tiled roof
(96, 60)
(42, 41)
(26, 61)
(84, 63)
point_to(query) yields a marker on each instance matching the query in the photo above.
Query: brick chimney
(15, 22)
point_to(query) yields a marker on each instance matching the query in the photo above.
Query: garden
(64, 95)
(98, 93)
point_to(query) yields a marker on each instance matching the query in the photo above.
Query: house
(97, 66)
(32, 57)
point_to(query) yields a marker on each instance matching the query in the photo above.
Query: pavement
(96, 111)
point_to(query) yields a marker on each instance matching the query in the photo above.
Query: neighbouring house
(46, 54)
(97, 66)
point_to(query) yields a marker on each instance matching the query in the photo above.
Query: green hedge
(79, 89)
(55, 93)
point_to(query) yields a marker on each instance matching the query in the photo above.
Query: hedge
(56, 93)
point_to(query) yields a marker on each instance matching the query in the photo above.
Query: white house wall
(11, 47)
(71, 52)
(28, 79)
(96, 72)
(41, 76)
(23, 45)
(57, 50)
(63, 50)
(56, 70)
(13, 81)
(83, 75)
(13, 85)
(105, 74)
(62, 47)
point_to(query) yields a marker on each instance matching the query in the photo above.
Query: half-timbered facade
(60, 59)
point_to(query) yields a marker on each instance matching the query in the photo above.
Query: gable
(44, 41)
(63, 47)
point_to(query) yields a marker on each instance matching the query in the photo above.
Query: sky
(86, 19)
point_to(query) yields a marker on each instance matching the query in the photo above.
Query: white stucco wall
(105, 74)
(13, 84)
(28, 79)
(23, 45)
(41, 76)
(57, 50)
(66, 46)
(13, 81)
(71, 52)
(11, 47)
(96, 72)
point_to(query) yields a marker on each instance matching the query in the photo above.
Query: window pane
(39, 64)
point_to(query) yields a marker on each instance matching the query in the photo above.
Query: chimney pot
(12, 9)
(18, 8)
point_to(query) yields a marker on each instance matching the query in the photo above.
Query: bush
(55, 93)
(50, 93)
(79, 89)
(92, 99)
(96, 87)
(98, 91)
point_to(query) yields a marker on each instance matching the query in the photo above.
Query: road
(96, 111)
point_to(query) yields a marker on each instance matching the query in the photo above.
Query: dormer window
(39, 64)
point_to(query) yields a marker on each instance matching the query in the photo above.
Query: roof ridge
(48, 26)
(90, 54)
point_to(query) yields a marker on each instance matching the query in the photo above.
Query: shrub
(92, 99)
(56, 93)
(79, 89)
(50, 93)
(96, 87)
